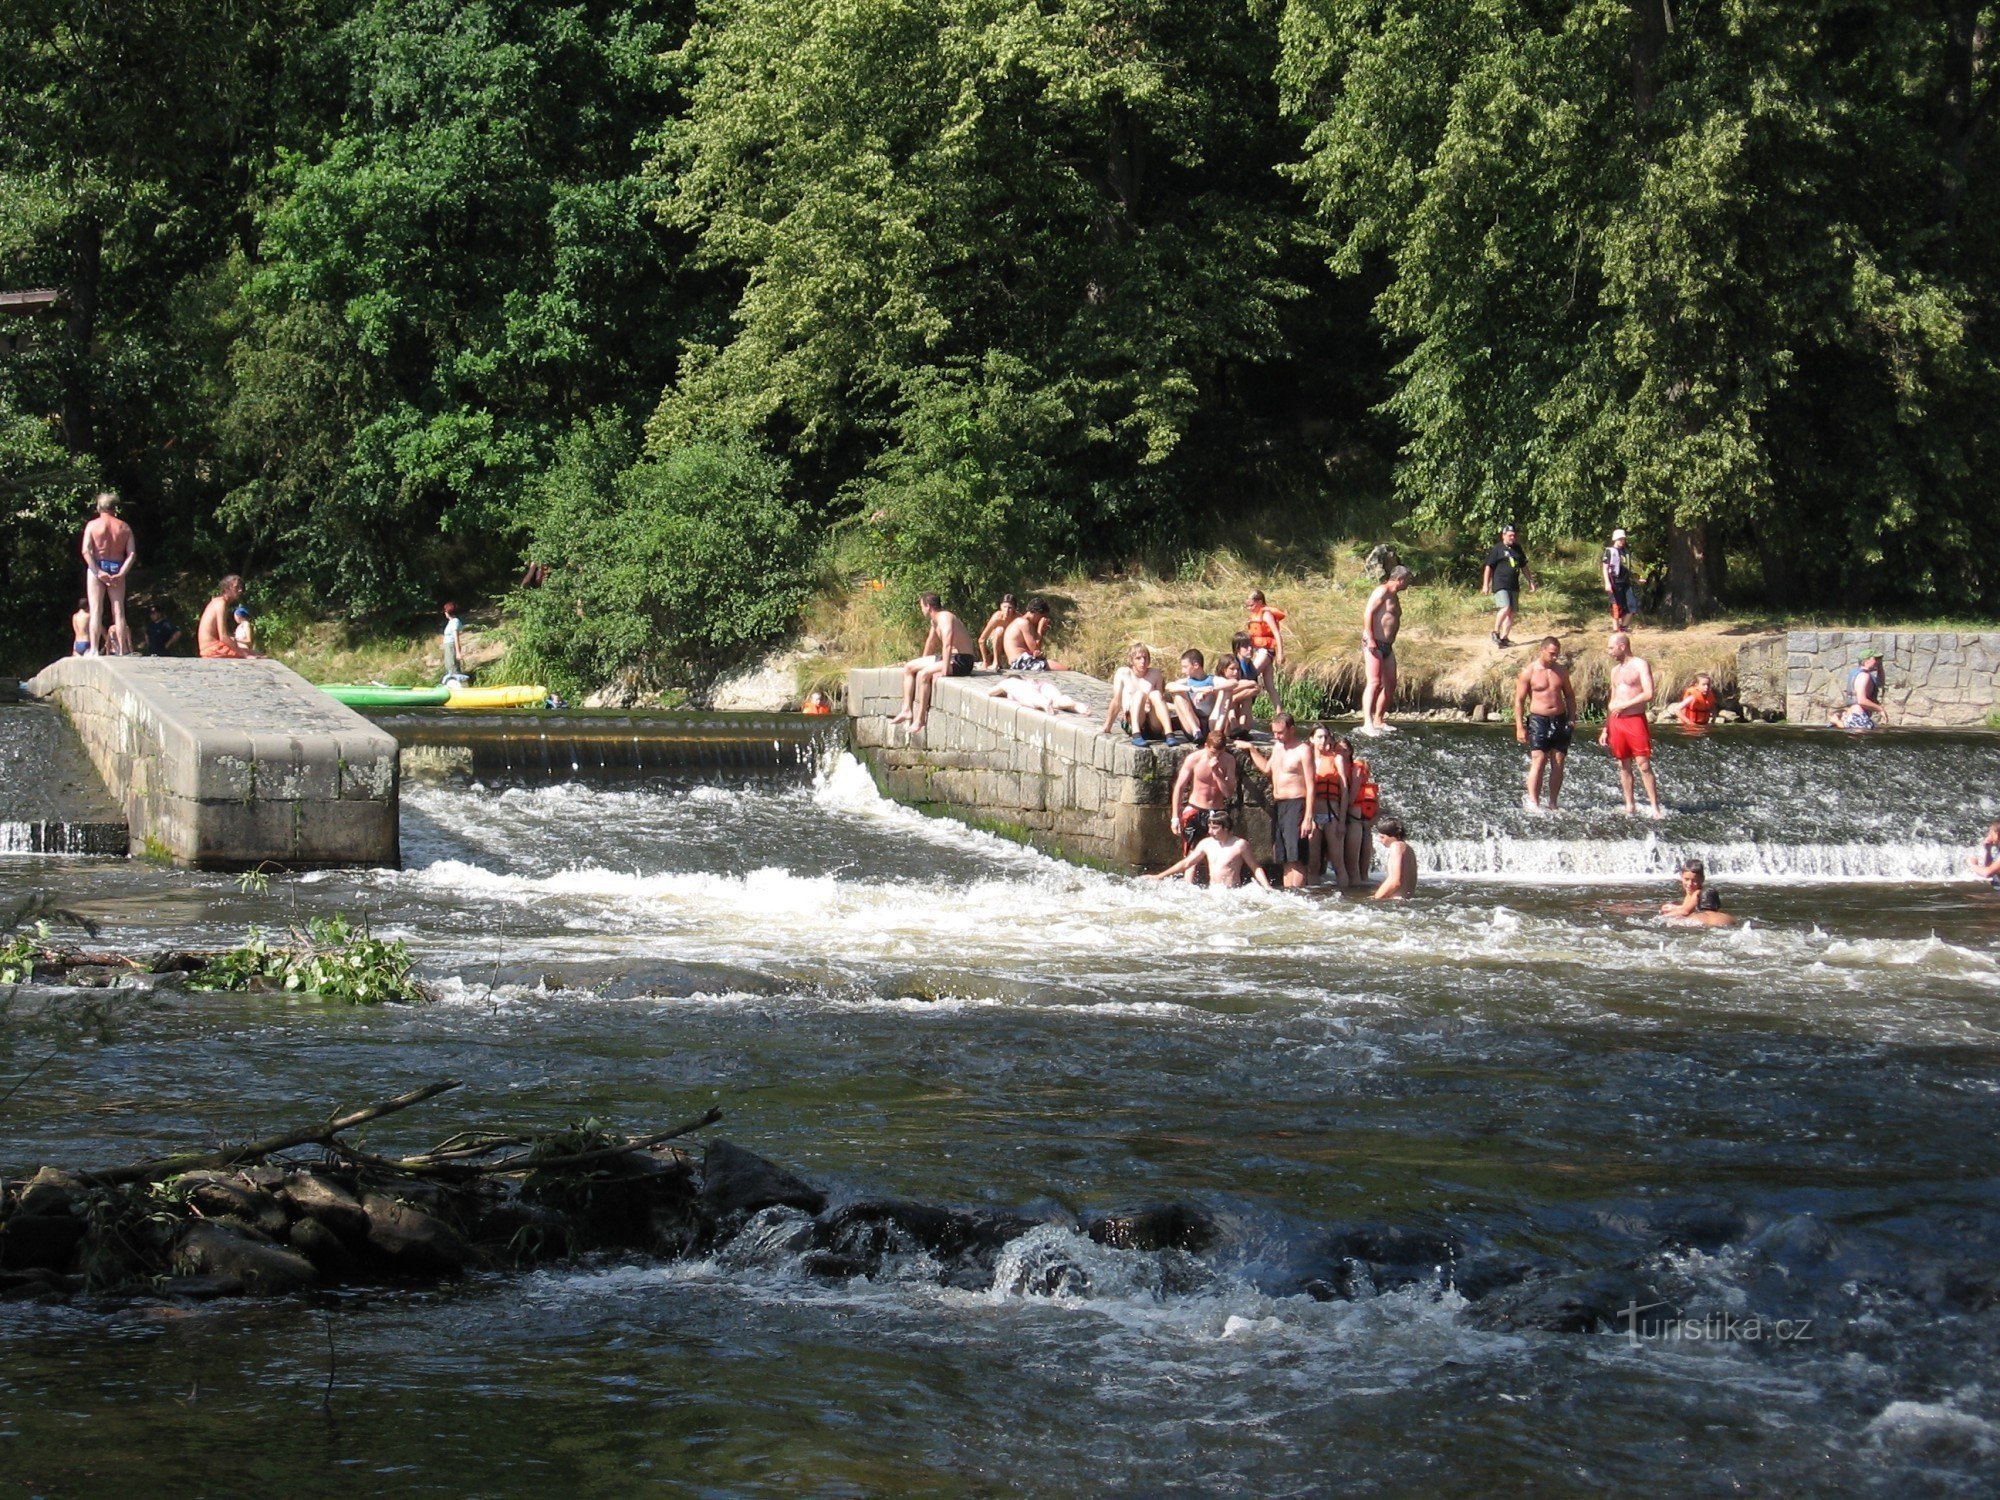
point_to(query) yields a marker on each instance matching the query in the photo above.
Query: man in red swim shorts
(1626, 734)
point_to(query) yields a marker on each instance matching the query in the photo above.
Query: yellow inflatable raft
(497, 697)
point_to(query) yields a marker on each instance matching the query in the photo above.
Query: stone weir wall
(1931, 679)
(232, 764)
(1075, 790)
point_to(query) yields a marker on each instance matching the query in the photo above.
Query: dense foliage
(369, 297)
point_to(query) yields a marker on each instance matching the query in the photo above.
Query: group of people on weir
(101, 625)
(1325, 800)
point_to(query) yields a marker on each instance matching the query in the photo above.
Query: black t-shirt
(1615, 560)
(158, 633)
(1508, 564)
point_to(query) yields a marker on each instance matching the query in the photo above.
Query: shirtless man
(1399, 862)
(1626, 734)
(1290, 767)
(1138, 698)
(1545, 721)
(1222, 854)
(947, 652)
(215, 636)
(108, 558)
(992, 635)
(1380, 621)
(1022, 642)
(1204, 786)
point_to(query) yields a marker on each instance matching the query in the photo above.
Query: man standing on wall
(1626, 733)
(1544, 721)
(1380, 621)
(108, 558)
(1506, 571)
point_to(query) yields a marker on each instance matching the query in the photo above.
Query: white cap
(1618, 535)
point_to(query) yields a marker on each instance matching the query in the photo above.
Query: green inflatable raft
(374, 695)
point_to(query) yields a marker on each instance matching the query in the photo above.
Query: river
(1793, 1120)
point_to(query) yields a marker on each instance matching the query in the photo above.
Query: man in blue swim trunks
(108, 558)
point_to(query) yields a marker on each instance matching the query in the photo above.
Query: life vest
(1698, 707)
(1367, 796)
(1326, 784)
(1263, 629)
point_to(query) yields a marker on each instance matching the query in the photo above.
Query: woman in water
(1986, 863)
(1700, 904)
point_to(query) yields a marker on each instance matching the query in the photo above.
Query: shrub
(664, 572)
(329, 958)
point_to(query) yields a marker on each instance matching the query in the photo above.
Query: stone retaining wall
(232, 764)
(1073, 789)
(1934, 679)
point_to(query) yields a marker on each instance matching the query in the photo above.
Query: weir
(51, 801)
(231, 764)
(591, 745)
(1055, 777)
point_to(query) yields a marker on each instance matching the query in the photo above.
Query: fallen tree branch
(312, 1135)
(528, 1163)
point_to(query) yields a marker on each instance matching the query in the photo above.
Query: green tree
(1723, 271)
(455, 273)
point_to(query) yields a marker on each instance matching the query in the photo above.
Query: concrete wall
(1076, 791)
(1939, 679)
(232, 764)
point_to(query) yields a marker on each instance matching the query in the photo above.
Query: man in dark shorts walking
(1545, 721)
(1290, 767)
(1619, 582)
(1506, 570)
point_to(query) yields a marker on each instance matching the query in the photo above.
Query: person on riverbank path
(214, 636)
(454, 666)
(1986, 863)
(1399, 862)
(1619, 582)
(1626, 733)
(1864, 697)
(1204, 786)
(993, 634)
(109, 555)
(1138, 699)
(1023, 644)
(1506, 570)
(1381, 619)
(1700, 904)
(1222, 855)
(1290, 767)
(947, 652)
(1266, 629)
(1545, 721)
(1331, 799)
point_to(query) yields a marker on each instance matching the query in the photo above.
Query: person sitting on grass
(947, 652)
(1223, 855)
(1138, 699)
(1700, 904)
(1399, 862)
(1696, 710)
(992, 635)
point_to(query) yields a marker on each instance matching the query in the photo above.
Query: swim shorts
(1288, 816)
(1029, 664)
(1630, 738)
(1549, 733)
(1194, 827)
(1857, 718)
(958, 664)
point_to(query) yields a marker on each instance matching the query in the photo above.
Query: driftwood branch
(312, 1135)
(526, 1162)
(455, 1161)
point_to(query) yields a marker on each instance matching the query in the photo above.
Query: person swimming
(1986, 863)
(1701, 903)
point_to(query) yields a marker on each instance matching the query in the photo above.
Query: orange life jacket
(1698, 707)
(1264, 629)
(1367, 796)
(1326, 785)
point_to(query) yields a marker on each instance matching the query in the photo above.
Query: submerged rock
(1575, 1302)
(736, 1183)
(1159, 1226)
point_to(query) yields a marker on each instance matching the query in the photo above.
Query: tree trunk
(86, 265)
(1969, 94)
(1694, 570)
(1656, 24)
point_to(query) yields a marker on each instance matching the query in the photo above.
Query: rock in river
(206, 1249)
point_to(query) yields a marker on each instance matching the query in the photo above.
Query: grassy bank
(1446, 655)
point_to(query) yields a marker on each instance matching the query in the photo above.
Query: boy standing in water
(1399, 862)
(1696, 710)
(1626, 734)
(1224, 855)
(1545, 721)
(947, 652)
(1290, 768)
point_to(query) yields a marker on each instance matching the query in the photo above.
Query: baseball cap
(1510, 526)
(1618, 535)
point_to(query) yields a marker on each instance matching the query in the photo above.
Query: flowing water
(1520, 1060)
